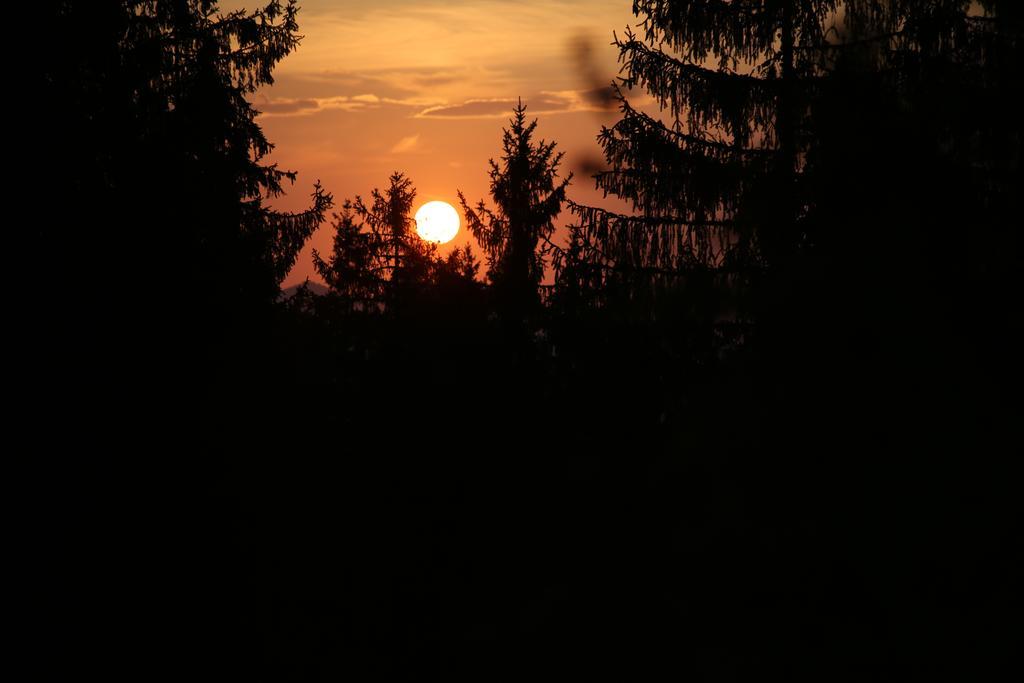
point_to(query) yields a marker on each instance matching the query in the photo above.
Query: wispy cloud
(486, 108)
(458, 46)
(406, 144)
(288, 106)
(546, 102)
(283, 106)
(336, 82)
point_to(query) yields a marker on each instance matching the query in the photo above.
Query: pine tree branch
(689, 139)
(652, 221)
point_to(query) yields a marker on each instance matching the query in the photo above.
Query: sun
(437, 222)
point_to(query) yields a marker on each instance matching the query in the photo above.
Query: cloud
(288, 106)
(400, 83)
(546, 102)
(406, 144)
(593, 99)
(450, 51)
(436, 79)
(470, 109)
(349, 83)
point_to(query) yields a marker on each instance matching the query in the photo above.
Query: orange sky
(425, 87)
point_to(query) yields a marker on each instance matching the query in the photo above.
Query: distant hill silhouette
(314, 287)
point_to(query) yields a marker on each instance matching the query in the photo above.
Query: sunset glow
(425, 86)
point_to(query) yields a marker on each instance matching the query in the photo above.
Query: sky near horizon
(425, 87)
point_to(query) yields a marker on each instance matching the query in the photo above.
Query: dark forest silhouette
(759, 426)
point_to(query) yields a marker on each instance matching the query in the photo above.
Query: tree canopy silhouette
(724, 183)
(160, 231)
(528, 196)
(378, 260)
(154, 111)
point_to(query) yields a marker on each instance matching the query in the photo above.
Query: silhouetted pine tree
(528, 195)
(714, 184)
(167, 153)
(350, 270)
(720, 183)
(399, 256)
(166, 260)
(462, 263)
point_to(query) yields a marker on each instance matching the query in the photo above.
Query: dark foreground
(470, 511)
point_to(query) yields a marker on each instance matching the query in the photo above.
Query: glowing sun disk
(437, 222)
